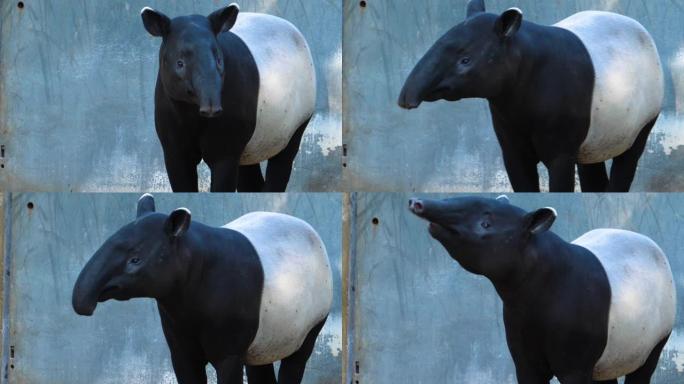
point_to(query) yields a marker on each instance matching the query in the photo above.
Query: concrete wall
(451, 147)
(123, 342)
(77, 84)
(418, 317)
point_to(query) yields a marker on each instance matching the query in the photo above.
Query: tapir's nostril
(211, 112)
(416, 205)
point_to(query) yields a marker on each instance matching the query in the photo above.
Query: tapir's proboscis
(233, 89)
(255, 291)
(575, 94)
(588, 311)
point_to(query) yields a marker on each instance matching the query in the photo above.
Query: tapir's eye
(485, 224)
(180, 64)
(465, 60)
(134, 260)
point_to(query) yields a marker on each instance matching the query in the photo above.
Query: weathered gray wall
(451, 147)
(76, 94)
(418, 317)
(123, 342)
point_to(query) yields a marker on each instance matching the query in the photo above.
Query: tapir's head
(142, 259)
(486, 236)
(474, 59)
(190, 58)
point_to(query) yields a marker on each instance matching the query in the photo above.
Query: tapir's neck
(545, 256)
(533, 50)
(211, 255)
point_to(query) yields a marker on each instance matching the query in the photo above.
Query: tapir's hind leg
(250, 178)
(263, 374)
(643, 374)
(292, 367)
(593, 177)
(279, 167)
(624, 166)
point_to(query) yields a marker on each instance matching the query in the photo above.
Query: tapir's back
(629, 85)
(297, 291)
(287, 82)
(643, 298)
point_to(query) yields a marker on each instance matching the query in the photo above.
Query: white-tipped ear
(155, 22)
(224, 19)
(541, 220)
(178, 222)
(145, 205)
(503, 199)
(509, 22)
(474, 7)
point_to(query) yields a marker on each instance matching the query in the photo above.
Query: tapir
(578, 93)
(587, 311)
(255, 291)
(233, 89)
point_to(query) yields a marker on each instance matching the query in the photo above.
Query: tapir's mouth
(111, 292)
(438, 230)
(442, 93)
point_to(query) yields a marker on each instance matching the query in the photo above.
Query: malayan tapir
(597, 308)
(252, 292)
(583, 91)
(233, 91)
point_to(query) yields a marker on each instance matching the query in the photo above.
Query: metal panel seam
(4, 368)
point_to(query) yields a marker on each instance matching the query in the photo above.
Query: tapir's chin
(440, 232)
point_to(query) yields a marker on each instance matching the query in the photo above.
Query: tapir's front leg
(521, 167)
(562, 173)
(229, 370)
(181, 169)
(519, 157)
(527, 370)
(582, 377)
(187, 356)
(224, 174)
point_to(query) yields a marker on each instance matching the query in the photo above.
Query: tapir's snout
(85, 310)
(210, 111)
(83, 301)
(437, 211)
(416, 206)
(407, 100)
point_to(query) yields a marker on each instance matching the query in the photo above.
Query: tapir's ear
(145, 205)
(178, 222)
(475, 7)
(509, 23)
(503, 199)
(156, 23)
(224, 19)
(540, 220)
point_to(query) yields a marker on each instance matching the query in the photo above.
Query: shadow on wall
(451, 147)
(77, 95)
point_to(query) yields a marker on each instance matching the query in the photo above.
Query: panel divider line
(7, 258)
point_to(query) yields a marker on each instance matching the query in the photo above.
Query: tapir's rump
(287, 82)
(643, 298)
(629, 85)
(297, 291)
